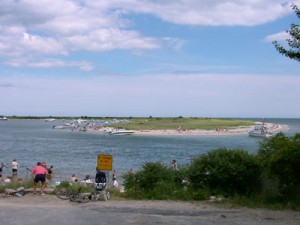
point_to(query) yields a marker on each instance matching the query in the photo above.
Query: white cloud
(108, 39)
(50, 63)
(211, 12)
(35, 28)
(281, 36)
(43, 28)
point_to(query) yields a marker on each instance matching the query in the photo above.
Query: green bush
(155, 181)
(226, 172)
(268, 179)
(280, 159)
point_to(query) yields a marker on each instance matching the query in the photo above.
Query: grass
(183, 123)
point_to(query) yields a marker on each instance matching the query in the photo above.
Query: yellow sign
(104, 162)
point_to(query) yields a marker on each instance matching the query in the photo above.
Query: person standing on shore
(1, 167)
(50, 172)
(14, 167)
(38, 174)
(114, 178)
(174, 165)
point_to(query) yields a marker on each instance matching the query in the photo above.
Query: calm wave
(69, 152)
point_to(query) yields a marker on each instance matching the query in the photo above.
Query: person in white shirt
(87, 181)
(14, 167)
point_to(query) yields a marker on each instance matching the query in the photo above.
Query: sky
(141, 58)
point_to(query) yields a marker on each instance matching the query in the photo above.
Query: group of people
(39, 174)
(88, 181)
(14, 167)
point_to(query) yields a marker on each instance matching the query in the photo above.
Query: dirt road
(46, 210)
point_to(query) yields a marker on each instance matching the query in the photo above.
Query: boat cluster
(92, 125)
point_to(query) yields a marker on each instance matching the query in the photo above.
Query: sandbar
(243, 130)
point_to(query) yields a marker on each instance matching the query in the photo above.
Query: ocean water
(30, 141)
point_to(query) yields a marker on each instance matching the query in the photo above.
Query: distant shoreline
(273, 128)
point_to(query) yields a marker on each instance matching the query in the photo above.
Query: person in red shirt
(39, 174)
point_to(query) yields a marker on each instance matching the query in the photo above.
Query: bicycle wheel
(103, 195)
(95, 196)
(63, 193)
(80, 198)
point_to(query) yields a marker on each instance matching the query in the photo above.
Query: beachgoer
(179, 129)
(50, 172)
(14, 167)
(1, 167)
(87, 181)
(39, 174)
(8, 179)
(44, 164)
(1, 179)
(174, 164)
(74, 178)
(131, 171)
(114, 175)
(114, 178)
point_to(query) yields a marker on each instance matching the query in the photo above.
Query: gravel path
(49, 209)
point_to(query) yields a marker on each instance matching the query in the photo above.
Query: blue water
(69, 152)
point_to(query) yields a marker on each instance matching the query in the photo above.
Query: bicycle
(66, 193)
(100, 195)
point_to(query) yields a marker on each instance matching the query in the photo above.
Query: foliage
(155, 181)
(294, 42)
(226, 172)
(247, 179)
(280, 158)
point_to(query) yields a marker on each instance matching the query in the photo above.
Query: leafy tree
(225, 172)
(294, 42)
(280, 158)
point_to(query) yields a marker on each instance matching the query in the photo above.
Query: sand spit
(273, 128)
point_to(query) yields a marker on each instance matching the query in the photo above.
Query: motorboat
(3, 118)
(260, 130)
(50, 120)
(121, 132)
(65, 126)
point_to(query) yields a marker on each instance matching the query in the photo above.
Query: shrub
(154, 181)
(226, 172)
(280, 159)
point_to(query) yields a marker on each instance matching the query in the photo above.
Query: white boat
(121, 132)
(65, 126)
(80, 121)
(50, 120)
(260, 130)
(3, 118)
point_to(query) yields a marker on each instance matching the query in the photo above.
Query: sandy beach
(273, 128)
